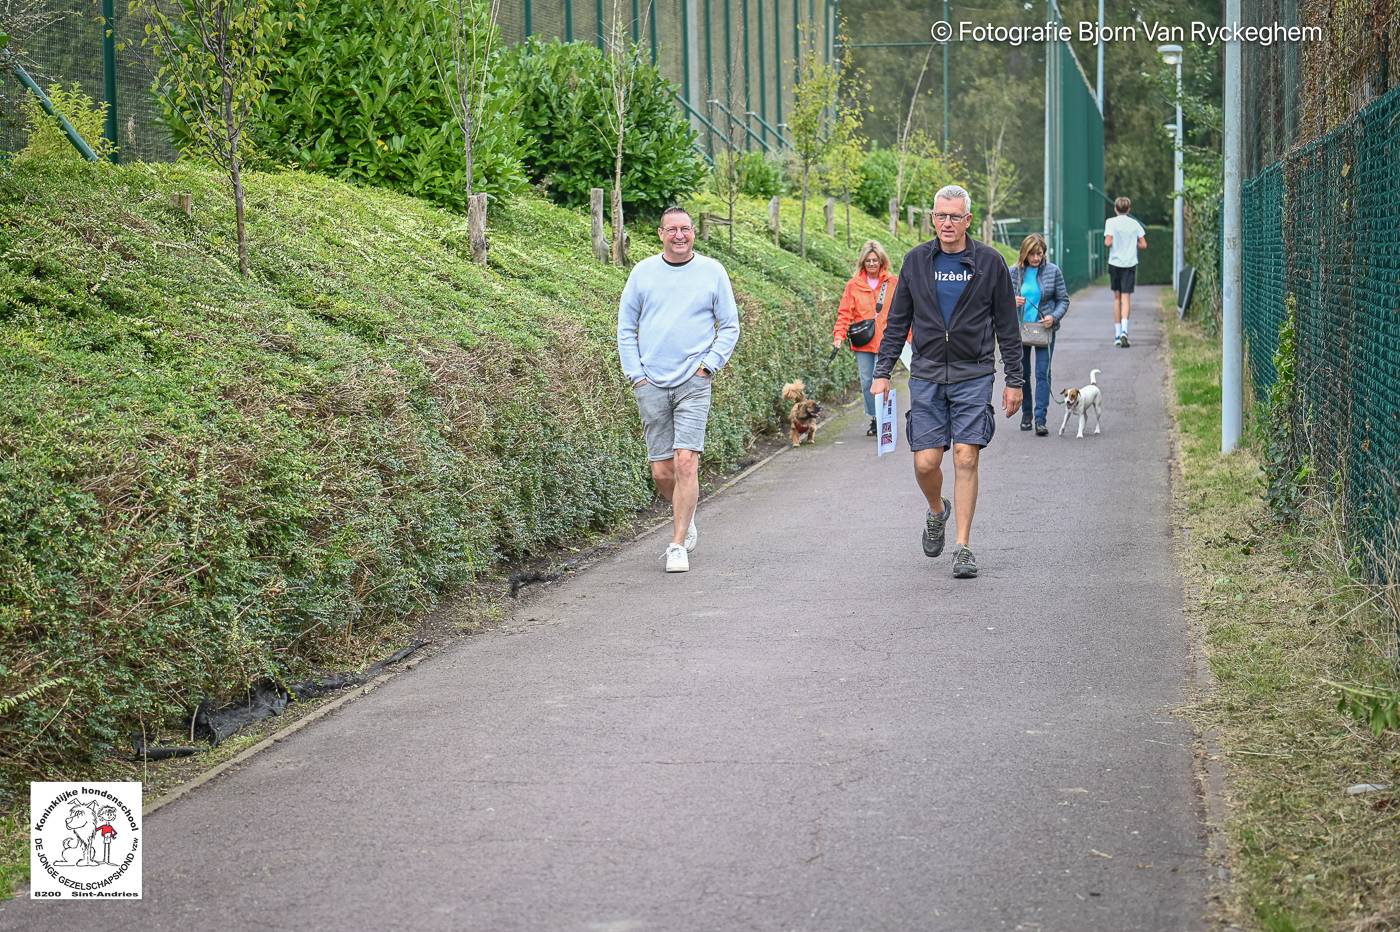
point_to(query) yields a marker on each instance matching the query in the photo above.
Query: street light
(1171, 54)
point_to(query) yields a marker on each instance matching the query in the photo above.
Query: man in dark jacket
(956, 294)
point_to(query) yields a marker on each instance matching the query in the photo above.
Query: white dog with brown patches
(1079, 401)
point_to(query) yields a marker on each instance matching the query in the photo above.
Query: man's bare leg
(928, 471)
(685, 492)
(965, 457)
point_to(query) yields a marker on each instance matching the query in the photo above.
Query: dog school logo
(85, 841)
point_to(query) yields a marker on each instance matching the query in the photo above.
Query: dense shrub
(760, 175)
(208, 479)
(359, 93)
(564, 92)
(924, 175)
(46, 137)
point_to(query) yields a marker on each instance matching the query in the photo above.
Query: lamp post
(1171, 54)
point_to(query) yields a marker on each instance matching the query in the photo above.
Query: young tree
(474, 37)
(997, 173)
(812, 121)
(841, 169)
(622, 59)
(216, 59)
(899, 187)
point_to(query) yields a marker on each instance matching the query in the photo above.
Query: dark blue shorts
(942, 415)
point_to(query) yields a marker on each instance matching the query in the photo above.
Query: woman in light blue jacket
(1041, 295)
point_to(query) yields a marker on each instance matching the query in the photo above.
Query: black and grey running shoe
(964, 564)
(935, 527)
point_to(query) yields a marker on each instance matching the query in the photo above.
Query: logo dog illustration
(88, 822)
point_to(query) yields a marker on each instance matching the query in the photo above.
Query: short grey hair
(950, 191)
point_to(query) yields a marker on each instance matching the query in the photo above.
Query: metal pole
(1098, 87)
(778, 63)
(109, 73)
(8, 59)
(529, 18)
(1045, 185)
(1178, 209)
(1232, 362)
(945, 84)
(762, 74)
(651, 24)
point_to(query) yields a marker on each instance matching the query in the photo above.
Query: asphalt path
(817, 727)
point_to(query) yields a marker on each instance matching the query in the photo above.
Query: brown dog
(803, 415)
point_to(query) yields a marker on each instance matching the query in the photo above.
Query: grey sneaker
(964, 564)
(935, 527)
(1124, 344)
(692, 537)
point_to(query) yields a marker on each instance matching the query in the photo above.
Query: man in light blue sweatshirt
(677, 325)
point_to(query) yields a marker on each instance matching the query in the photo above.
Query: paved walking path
(816, 728)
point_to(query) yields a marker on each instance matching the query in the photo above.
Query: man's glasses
(947, 218)
(672, 231)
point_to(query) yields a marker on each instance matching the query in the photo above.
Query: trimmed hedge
(208, 480)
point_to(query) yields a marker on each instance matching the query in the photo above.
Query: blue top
(1030, 290)
(950, 277)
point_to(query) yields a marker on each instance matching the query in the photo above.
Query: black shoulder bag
(863, 331)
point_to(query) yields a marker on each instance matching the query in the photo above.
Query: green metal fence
(1074, 172)
(733, 62)
(1322, 231)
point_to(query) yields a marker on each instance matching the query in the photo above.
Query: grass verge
(1278, 615)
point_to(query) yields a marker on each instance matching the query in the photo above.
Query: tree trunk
(600, 238)
(476, 225)
(235, 172)
(618, 227)
(894, 216)
(848, 219)
(802, 217)
(774, 219)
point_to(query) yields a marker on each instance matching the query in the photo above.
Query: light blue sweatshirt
(673, 319)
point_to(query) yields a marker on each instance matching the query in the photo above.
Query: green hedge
(1155, 262)
(207, 480)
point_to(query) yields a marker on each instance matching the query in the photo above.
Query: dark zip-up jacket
(984, 318)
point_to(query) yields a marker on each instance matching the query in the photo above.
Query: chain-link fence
(1322, 233)
(733, 62)
(62, 43)
(1074, 195)
(1321, 229)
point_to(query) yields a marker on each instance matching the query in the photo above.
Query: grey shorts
(941, 415)
(674, 418)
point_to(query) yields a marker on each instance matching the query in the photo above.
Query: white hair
(950, 191)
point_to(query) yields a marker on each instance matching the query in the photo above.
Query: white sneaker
(676, 559)
(692, 537)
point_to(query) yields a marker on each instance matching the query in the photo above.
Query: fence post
(926, 223)
(600, 239)
(894, 216)
(831, 216)
(476, 224)
(910, 211)
(774, 219)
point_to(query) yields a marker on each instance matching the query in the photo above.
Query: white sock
(1117, 331)
(1125, 326)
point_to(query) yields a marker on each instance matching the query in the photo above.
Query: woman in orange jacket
(862, 301)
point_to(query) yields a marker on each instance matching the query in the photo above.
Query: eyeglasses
(672, 231)
(947, 218)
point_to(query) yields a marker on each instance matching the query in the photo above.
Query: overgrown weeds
(1284, 616)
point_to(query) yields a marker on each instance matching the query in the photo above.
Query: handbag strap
(880, 299)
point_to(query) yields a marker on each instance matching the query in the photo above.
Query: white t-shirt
(1125, 232)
